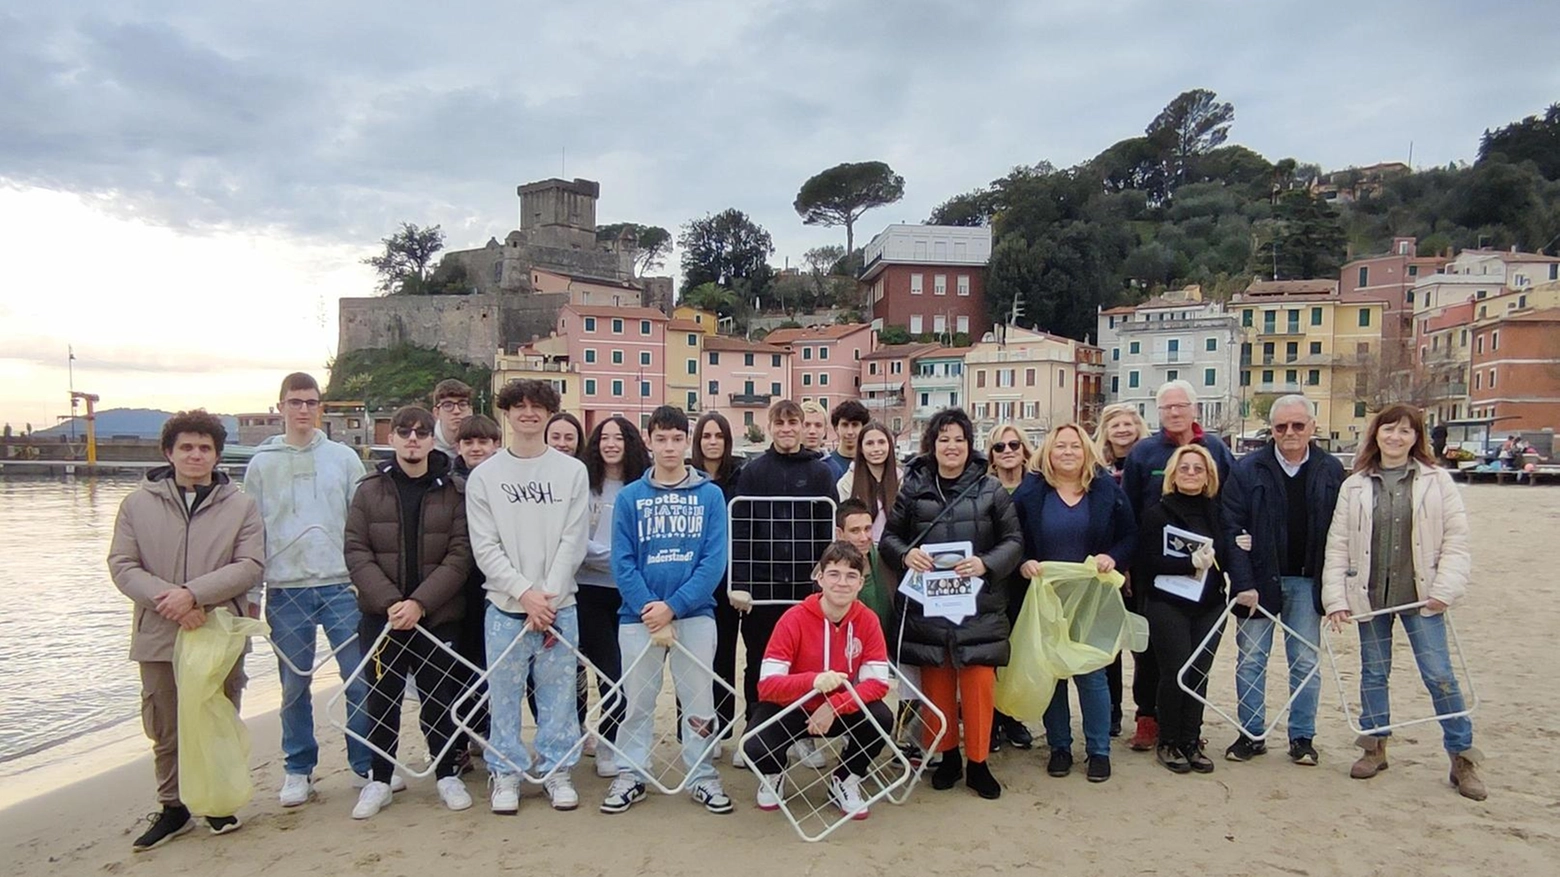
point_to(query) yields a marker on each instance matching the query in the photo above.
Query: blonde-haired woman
(1007, 453)
(1180, 613)
(1070, 511)
(1121, 428)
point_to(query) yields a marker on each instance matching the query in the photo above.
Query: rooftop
(1292, 287)
(814, 333)
(679, 325)
(724, 343)
(900, 351)
(945, 353)
(631, 313)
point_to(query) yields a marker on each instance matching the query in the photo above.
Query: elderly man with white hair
(1277, 508)
(1143, 479)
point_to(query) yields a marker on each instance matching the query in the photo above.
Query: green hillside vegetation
(1178, 206)
(402, 375)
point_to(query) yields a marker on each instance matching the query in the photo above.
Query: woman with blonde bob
(1008, 451)
(1069, 512)
(1121, 428)
(1399, 537)
(1180, 611)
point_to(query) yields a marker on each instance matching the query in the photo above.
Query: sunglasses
(1000, 447)
(407, 432)
(1281, 428)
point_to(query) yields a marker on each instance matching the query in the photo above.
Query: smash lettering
(533, 492)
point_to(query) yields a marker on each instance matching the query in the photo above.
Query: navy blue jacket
(1112, 528)
(1254, 501)
(1144, 478)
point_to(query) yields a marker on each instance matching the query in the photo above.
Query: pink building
(885, 383)
(621, 356)
(1390, 278)
(826, 366)
(741, 379)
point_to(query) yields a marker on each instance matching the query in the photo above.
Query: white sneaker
(770, 792)
(505, 795)
(737, 759)
(560, 790)
(297, 789)
(453, 792)
(846, 794)
(397, 782)
(589, 749)
(717, 752)
(606, 765)
(711, 795)
(374, 797)
(808, 753)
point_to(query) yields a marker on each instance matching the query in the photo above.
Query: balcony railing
(750, 400)
(1133, 326)
(1286, 329)
(884, 402)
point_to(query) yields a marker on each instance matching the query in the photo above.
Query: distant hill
(143, 423)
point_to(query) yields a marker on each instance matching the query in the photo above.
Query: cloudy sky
(187, 188)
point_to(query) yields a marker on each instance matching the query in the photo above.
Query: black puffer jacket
(775, 545)
(983, 516)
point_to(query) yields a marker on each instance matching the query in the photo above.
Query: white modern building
(1174, 336)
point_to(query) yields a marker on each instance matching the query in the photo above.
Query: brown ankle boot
(1465, 775)
(1373, 761)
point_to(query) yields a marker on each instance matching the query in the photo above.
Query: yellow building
(706, 320)
(1029, 379)
(684, 349)
(1298, 336)
(547, 360)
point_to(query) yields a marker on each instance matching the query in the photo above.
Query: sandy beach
(1266, 816)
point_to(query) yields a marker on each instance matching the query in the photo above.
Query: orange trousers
(965, 693)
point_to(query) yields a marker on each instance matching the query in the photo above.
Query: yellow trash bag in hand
(1073, 621)
(213, 741)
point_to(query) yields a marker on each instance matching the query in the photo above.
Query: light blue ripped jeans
(552, 668)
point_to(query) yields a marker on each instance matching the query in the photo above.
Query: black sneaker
(223, 824)
(1018, 735)
(167, 825)
(1302, 752)
(1170, 756)
(1099, 768)
(1244, 749)
(997, 735)
(1115, 726)
(1197, 759)
(1060, 764)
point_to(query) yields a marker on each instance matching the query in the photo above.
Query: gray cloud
(309, 119)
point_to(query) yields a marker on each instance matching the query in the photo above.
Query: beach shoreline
(1265, 816)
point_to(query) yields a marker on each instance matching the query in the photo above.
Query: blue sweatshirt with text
(669, 544)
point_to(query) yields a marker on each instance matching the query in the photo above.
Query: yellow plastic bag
(1073, 621)
(213, 741)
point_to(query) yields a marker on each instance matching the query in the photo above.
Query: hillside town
(1396, 326)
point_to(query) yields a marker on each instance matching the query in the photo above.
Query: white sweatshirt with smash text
(528, 519)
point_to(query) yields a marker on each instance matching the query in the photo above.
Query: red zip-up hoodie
(806, 643)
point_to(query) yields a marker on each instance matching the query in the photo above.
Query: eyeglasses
(454, 405)
(834, 576)
(1191, 470)
(407, 432)
(1281, 428)
(1175, 406)
(300, 404)
(1000, 447)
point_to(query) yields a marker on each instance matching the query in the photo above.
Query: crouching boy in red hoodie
(818, 646)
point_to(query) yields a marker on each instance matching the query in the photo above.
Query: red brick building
(1516, 370)
(929, 279)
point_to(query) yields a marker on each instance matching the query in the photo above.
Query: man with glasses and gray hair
(1277, 508)
(1143, 479)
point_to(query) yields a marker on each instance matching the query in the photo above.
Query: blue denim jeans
(1094, 701)
(294, 615)
(692, 678)
(1254, 642)
(552, 668)
(1427, 637)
